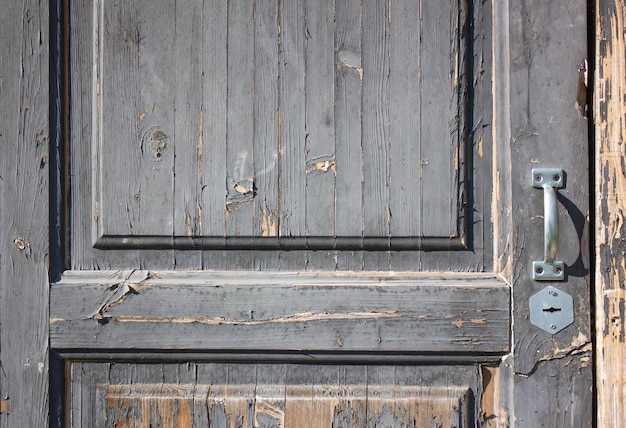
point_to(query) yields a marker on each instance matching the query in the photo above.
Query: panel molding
(280, 243)
(104, 236)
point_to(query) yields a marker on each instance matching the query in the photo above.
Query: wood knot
(159, 141)
(20, 244)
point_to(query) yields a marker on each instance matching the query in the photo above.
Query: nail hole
(556, 177)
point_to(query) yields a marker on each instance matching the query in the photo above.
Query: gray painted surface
(315, 136)
(540, 113)
(146, 310)
(24, 138)
(219, 124)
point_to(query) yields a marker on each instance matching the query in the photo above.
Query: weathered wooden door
(316, 213)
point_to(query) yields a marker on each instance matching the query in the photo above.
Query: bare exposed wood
(610, 187)
(273, 395)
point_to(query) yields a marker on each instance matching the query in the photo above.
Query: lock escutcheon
(551, 310)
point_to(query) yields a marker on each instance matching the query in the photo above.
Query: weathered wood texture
(281, 395)
(610, 187)
(24, 213)
(298, 125)
(540, 66)
(218, 311)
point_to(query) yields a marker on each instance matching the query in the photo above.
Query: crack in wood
(577, 348)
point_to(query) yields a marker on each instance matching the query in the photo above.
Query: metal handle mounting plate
(549, 179)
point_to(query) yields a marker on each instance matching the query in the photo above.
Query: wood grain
(610, 188)
(295, 92)
(24, 212)
(545, 46)
(273, 395)
(279, 313)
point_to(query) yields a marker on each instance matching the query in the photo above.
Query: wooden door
(311, 213)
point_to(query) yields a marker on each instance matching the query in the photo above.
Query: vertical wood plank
(240, 119)
(292, 118)
(205, 375)
(610, 189)
(87, 407)
(136, 59)
(24, 211)
(214, 122)
(348, 98)
(266, 119)
(404, 128)
(439, 121)
(547, 45)
(320, 127)
(404, 125)
(92, 38)
(214, 125)
(375, 126)
(188, 129)
(270, 393)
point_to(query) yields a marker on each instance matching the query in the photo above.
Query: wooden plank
(86, 46)
(375, 129)
(439, 120)
(292, 118)
(188, 127)
(610, 188)
(439, 137)
(405, 207)
(86, 400)
(266, 120)
(214, 117)
(405, 93)
(136, 140)
(281, 312)
(240, 120)
(319, 130)
(24, 211)
(348, 116)
(546, 128)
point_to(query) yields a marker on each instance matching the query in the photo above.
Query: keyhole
(551, 309)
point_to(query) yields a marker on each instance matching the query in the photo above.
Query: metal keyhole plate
(551, 310)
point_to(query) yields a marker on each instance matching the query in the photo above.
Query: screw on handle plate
(549, 268)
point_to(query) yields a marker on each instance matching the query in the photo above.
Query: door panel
(277, 126)
(151, 152)
(271, 395)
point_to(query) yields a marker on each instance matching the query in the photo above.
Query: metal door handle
(549, 268)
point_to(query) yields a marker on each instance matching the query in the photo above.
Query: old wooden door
(316, 213)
